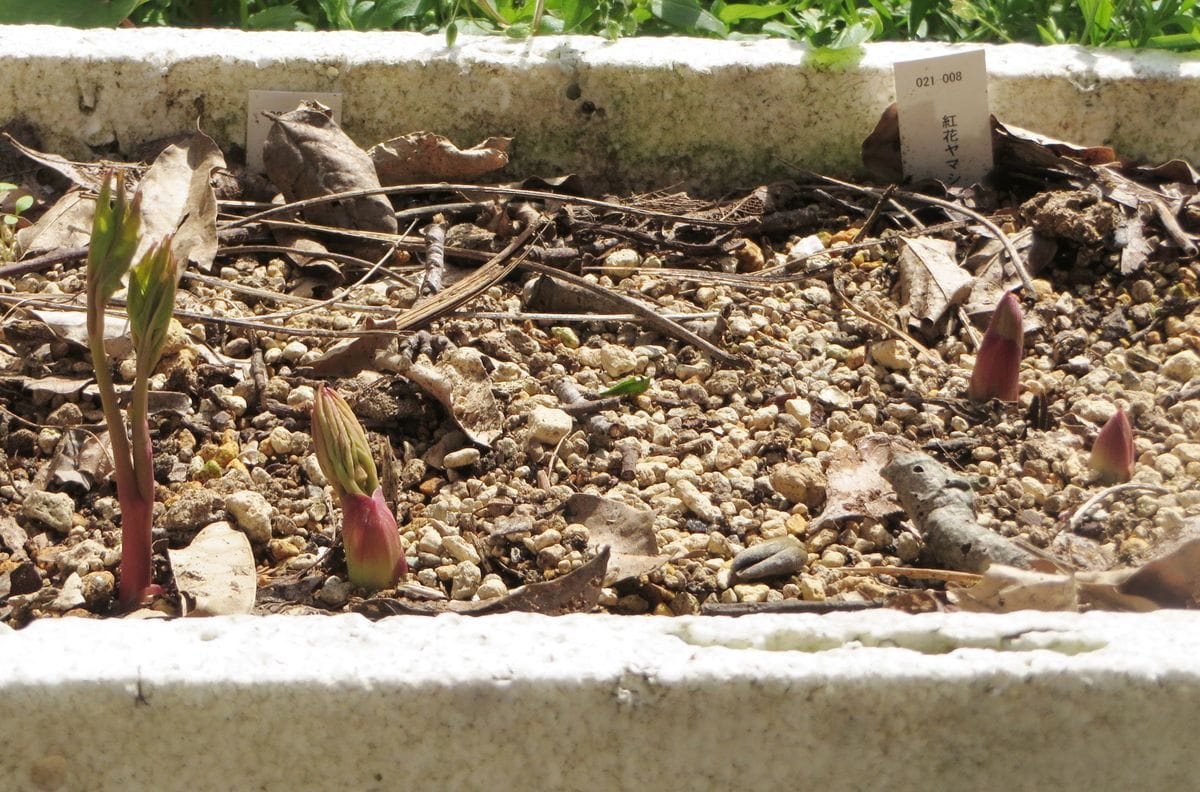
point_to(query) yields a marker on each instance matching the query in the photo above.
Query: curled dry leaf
(931, 282)
(854, 485)
(79, 174)
(461, 383)
(215, 573)
(426, 157)
(627, 531)
(65, 225)
(177, 198)
(307, 155)
(1003, 589)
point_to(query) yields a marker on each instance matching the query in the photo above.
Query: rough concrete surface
(635, 113)
(878, 700)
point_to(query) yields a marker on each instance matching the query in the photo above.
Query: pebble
(548, 425)
(1187, 452)
(460, 549)
(278, 442)
(191, 510)
(70, 595)
(1182, 366)
(799, 483)
(835, 398)
(617, 360)
(55, 510)
(87, 556)
(622, 262)
(461, 458)
(908, 548)
(98, 587)
(334, 592)
(465, 580)
(492, 587)
(833, 559)
(801, 410)
(697, 502)
(301, 398)
(892, 354)
(293, 351)
(253, 514)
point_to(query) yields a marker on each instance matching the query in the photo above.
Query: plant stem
(135, 508)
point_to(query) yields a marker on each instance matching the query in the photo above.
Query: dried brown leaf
(1004, 589)
(307, 155)
(216, 571)
(425, 157)
(854, 485)
(627, 531)
(931, 282)
(177, 198)
(86, 176)
(66, 224)
(461, 383)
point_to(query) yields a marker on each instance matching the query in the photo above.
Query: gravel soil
(753, 469)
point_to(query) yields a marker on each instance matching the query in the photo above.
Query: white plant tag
(945, 131)
(258, 125)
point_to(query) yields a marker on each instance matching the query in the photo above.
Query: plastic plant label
(945, 126)
(258, 125)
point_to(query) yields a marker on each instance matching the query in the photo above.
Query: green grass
(833, 25)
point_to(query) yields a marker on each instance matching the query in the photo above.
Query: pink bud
(1112, 453)
(374, 553)
(998, 364)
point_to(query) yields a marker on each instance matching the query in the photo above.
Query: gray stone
(55, 510)
(253, 514)
(774, 558)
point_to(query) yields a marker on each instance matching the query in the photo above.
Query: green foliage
(630, 386)
(72, 13)
(833, 28)
(116, 228)
(8, 221)
(151, 301)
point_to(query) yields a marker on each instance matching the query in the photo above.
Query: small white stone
(334, 592)
(460, 458)
(48, 439)
(835, 398)
(281, 441)
(1187, 452)
(293, 351)
(697, 502)
(801, 410)
(892, 354)
(465, 581)
(70, 594)
(301, 397)
(1181, 366)
(460, 549)
(253, 514)
(548, 425)
(617, 360)
(622, 262)
(492, 587)
(55, 510)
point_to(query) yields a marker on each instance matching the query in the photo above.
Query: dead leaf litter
(652, 403)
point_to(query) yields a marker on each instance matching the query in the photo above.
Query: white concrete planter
(861, 701)
(641, 112)
(850, 701)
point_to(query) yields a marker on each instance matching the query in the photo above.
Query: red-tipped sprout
(998, 364)
(1112, 453)
(374, 553)
(116, 231)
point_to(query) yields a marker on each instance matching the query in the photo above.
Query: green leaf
(7, 186)
(731, 14)
(776, 28)
(151, 301)
(276, 18)
(631, 386)
(23, 203)
(687, 15)
(70, 13)
(451, 34)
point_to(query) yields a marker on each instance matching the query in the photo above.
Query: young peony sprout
(1112, 453)
(998, 364)
(116, 228)
(374, 554)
